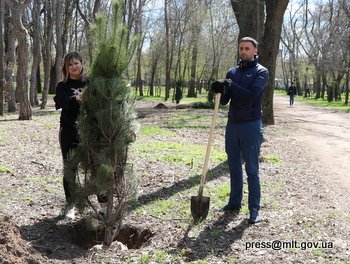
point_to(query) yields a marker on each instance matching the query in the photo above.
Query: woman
(68, 97)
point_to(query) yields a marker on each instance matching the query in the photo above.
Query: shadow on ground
(215, 240)
(52, 239)
(185, 184)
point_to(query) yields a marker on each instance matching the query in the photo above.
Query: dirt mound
(13, 249)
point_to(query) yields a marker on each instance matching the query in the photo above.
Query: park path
(326, 134)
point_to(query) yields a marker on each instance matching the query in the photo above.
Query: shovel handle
(210, 140)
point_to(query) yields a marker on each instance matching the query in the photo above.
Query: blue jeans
(243, 140)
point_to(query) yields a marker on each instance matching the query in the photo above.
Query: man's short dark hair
(249, 39)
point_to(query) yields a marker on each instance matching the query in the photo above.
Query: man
(292, 91)
(243, 87)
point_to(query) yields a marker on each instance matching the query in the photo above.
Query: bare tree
(88, 15)
(290, 34)
(197, 20)
(35, 33)
(10, 60)
(167, 50)
(2, 84)
(25, 110)
(325, 36)
(140, 25)
(59, 23)
(222, 37)
(46, 51)
(19, 32)
(346, 7)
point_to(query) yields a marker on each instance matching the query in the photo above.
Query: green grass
(215, 233)
(173, 152)
(336, 105)
(175, 207)
(272, 159)
(347, 218)
(4, 169)
(150, 131)
(193, 121)
(28, 199)
(44, 180)
(181, 121)
(160, 256)
(145, 258)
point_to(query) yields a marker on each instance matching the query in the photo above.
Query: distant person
(243, 88)
(308, 92)
(292, 91)
(68, 97)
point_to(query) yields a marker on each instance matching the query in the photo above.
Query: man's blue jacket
(248, 81)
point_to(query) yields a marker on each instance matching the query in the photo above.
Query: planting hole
(132, 237)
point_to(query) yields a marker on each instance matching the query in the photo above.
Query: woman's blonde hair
(67, 60)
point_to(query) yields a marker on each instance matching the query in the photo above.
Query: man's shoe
(230, 209)
(254, 216)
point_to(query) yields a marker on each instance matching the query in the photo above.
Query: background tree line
(184, 43)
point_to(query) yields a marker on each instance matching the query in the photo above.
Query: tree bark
(56, 71)
(167, 51)
(34, 81)
(10, 61)
(48, 24)
(347, 80)
(250, 18)
(25, 110)
(269, 51)
(2, 83)
(192, 85)
(19, 32)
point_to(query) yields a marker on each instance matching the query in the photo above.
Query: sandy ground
(326, 134)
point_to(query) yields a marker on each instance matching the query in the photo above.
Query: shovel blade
(199, 207)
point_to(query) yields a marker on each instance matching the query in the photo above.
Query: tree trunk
(167, 51)
(68, 14)
(192, 85)
(195, 39)
(317, 85)
(25, 110)
(34, 81)
(153, 74)
(47, 52)
(250, 18)
(139, 84)
(10, 62)
(56, 68)
(2, 83)
(347, 79)
(138, 30)
(324, 85)
(269, 51)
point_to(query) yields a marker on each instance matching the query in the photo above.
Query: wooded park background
(183, 44)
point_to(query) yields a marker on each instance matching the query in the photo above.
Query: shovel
(200, 203)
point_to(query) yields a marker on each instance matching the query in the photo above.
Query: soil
(305, 205)
(326, 136)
